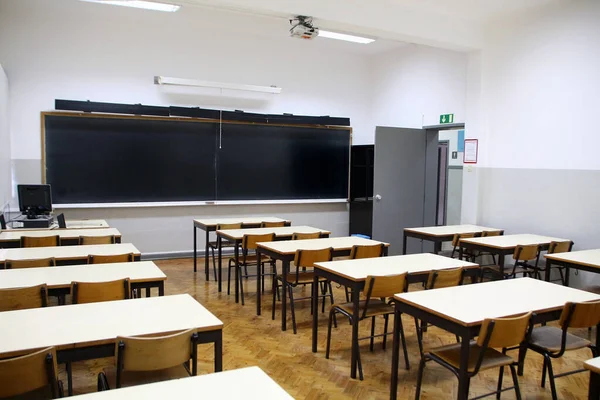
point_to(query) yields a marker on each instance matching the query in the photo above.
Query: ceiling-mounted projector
(302, 28)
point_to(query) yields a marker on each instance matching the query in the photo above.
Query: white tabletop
(512, 241)
(589, 258)
(593, 365)
(81, 325)
(15, 234)
(280, 231)
(450, 230)
(213, 222)
(86, 223)
(358, 270)
(67, 252)
(471, 304)
(338, 243)
(61, 277)
(246, 383)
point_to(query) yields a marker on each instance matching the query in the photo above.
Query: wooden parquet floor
(250, 340)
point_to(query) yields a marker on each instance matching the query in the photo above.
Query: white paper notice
(470, 151)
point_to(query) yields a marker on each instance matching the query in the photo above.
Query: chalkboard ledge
(197, 203)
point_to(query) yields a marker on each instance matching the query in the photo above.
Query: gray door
(404, 184)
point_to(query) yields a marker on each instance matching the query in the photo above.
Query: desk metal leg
(195, 250)
(594, 390)
(501, 264)
(285, 267)
(206, 258)
(547, 273)
(69, 378)
(237, 274)
(219, 352)
(437, 247)
(463, 374)
(395, 355)
(404, 240)
(355, 316)
(220, 254)
(258, 282)
(315, 316)
(567, 273)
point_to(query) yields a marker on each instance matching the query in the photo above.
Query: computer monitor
(34, 199)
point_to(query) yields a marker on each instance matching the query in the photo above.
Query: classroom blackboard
(117, 159)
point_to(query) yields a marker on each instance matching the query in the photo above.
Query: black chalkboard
(91, 159)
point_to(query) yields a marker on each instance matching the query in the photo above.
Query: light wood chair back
(308, 258)
(491, 233)
(384, 286)
(367, 251)
(222, 227)
(458, 236)
(35, 263)
(44, 241)
(560, 247)
(306, 236)
(24, 374)
(445, 278)
(249, 241)
(526, 252)
(580, 315)
(23, 298)
(155, 353)
(503, 332)
(266, 224)
(94, 292)
(116, 258)
(85, 240)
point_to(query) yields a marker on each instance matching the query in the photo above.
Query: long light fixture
(146, 5)
(165, 80)
(344, 36)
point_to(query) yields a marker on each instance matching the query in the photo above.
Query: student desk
(12, 238)
(586, 260)
(246, 383)
(461, 310)
(68, 255)
(237, 235)
(353, 274)
(210, 225)
(285, 251)
(142, 274)
(88, 331)
(505, 245)
(593, 366)
(440, 234)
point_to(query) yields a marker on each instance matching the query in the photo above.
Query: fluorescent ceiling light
(165, 80)
(147, 5)
(343, 36)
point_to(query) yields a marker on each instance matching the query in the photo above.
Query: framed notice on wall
(471, 149)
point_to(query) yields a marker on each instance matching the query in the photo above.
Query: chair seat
(304, 278)
(251, 259)
(451, 354)
(38, 394)
(224, 243)
(549, 338)
(132, 378)
(376, 307)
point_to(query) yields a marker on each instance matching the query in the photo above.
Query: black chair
(2, 222)
(61, 221)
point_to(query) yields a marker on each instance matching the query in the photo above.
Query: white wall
(5, 161)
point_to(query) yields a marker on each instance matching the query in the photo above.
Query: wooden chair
(302, 276)
(376, 292)
(266, 224)
(560, 247)
(34, 375)
(364, 251)
(23, 298)
(213, 244)
(94, 292)
(306, 236)
(437, 280)
(85, 240)
(44, 241)
(116, 258)
(527, 259)
(2, 222)
(35, 263)
(497, 333)
(142, 360)
(552, 342)
(247, 258)
(62, 223)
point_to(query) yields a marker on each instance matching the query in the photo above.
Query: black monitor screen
(36, 198)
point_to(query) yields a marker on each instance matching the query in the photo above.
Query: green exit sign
(446, 118)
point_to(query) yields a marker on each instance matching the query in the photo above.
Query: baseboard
(169, 255)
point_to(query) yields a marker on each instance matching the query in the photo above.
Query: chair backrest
(266, 224)
(503, 332)
(62, 223)
(23, 298)
(580, 315)
(491, 233)
(560, 247)
(458, 236)
(2, 222)
(24, 374)
(308, 258)
(526, 252)
(115, 258)
(384, 286)
(94, 292)
(109, 239)
(249, 241)
(35, 263)
(43, 241)
(221, 227)
(306, 236)
(445, 278)
(367, 251)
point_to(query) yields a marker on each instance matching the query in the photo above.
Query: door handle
(378, 197)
